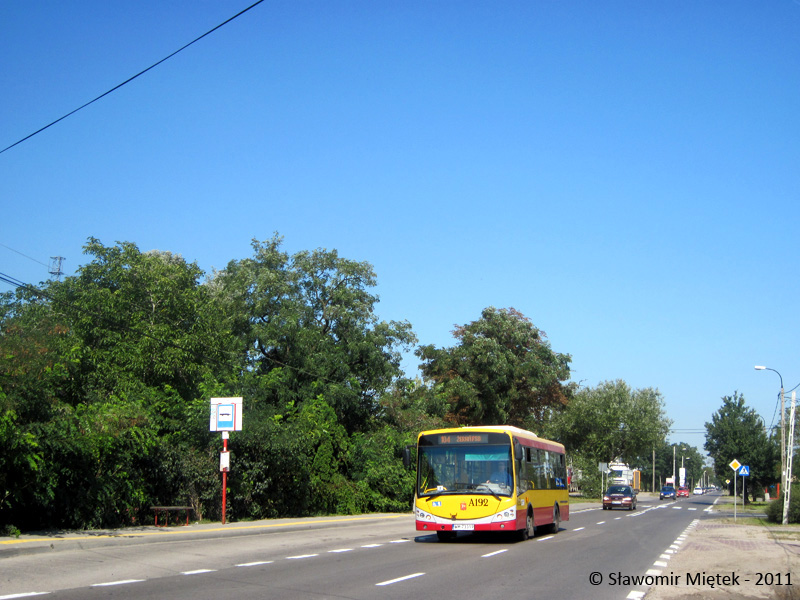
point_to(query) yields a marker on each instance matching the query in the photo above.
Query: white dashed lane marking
(198, 571)
(399, 579)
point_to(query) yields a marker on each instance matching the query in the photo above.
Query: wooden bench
(168, 509)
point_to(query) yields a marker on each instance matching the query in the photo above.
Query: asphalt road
(597, 554)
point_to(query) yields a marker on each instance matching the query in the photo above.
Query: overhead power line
(13, 281)
(116, 87)
(25, 255)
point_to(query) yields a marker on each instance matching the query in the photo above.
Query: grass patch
(792, 529)
(786, 535)
(745, 520)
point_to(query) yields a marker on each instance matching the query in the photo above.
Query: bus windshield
(465, 468)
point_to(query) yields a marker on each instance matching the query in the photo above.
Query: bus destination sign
(464, 438)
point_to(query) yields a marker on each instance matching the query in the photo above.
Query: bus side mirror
(406, 457)
(518, 451)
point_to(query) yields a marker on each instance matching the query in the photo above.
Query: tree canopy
(612, 421)
(105, 380)
(502, 370)
(737, 432)
(307, 327)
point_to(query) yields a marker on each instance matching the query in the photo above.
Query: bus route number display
(464, 438)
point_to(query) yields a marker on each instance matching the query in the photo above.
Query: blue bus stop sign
(226, 417)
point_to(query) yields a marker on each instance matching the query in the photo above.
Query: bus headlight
(506, 515)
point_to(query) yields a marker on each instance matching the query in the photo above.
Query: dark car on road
(667, 492)
(619, 496)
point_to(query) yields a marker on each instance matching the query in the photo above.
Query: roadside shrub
(10, 531)
(775, 508)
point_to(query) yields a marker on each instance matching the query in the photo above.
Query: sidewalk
(50, 541)
(720, 558)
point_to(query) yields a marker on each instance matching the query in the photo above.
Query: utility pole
(654, 471)
(784, 475)
(787, 495)
(673, 468)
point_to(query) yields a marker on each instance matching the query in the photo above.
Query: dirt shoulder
(720, 558)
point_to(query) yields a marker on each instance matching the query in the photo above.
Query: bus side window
(548, 469)
(538, 476)
(561, 472)
(524, 473)
(529, 470)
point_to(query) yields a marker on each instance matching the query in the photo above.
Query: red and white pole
(224, 476)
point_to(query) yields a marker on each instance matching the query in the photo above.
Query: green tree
(737, 432)
(144, 322)
(663, 466)
(410, 406)
(502, 371)
(613, 422)
(307, 327)
(100, 370)
(20, 462)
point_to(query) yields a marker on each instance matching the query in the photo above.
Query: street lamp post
(684, 468)
(783, 428)
(673, 466)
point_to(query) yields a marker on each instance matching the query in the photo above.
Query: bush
(775, 508)
(10, 531)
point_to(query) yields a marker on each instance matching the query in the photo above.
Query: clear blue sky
(625, 174)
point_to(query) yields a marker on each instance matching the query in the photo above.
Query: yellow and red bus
(461, 482)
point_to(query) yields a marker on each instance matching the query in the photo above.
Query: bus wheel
(554, 527)
(530, 528)
(446, 536)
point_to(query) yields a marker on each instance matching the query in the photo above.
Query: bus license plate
(463, 527)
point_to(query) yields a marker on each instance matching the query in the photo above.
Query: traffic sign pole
(735, 464)
(744, 472)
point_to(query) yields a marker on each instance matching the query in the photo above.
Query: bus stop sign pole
(224, 466)
(226, 416)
